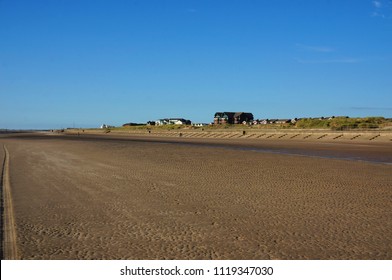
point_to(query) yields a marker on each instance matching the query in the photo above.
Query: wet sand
(100, 197)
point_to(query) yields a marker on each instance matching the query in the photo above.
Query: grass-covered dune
(344, 123)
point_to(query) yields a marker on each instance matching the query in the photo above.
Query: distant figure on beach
(243, 132)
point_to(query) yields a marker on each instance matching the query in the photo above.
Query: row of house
(219, 118)
(274, 121)
(224, 118)
(167, 121)
(247, 118)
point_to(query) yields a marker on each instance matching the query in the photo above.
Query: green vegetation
(344, 123)
(152, 127)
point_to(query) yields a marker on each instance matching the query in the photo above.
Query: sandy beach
(133, 197)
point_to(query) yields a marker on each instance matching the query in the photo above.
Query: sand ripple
(93, 200)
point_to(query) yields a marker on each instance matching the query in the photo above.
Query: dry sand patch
(135, 200)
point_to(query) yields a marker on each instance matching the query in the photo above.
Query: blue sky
(82, 63)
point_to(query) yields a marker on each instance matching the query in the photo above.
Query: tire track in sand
(10, 251)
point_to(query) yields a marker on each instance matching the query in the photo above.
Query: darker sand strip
(9, 247)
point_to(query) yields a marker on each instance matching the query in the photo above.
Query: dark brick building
(232, 117)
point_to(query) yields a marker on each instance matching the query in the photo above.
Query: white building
(178, 121)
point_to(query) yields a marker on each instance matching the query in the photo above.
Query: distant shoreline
(235, 133)
(320, 135)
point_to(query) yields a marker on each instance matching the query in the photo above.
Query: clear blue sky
(88, 62)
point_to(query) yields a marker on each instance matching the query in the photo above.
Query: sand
(97, 198)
